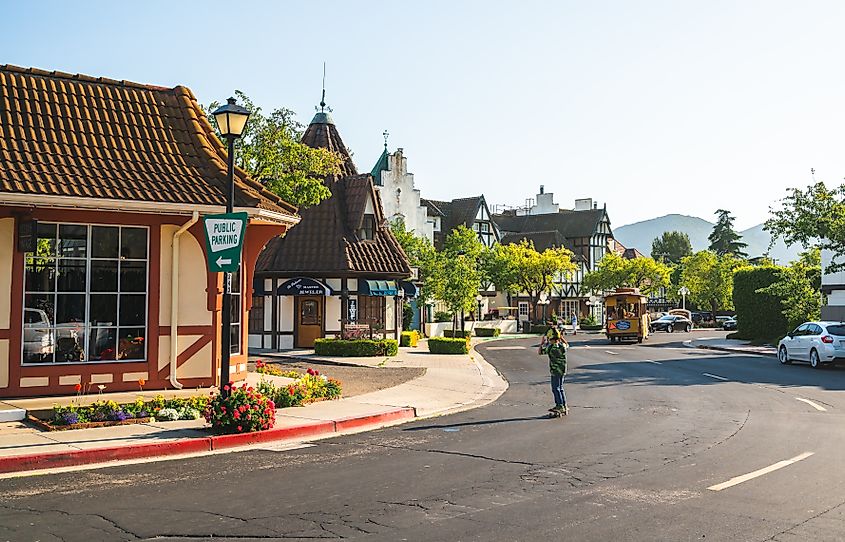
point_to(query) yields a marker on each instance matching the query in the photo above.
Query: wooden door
(309, 320)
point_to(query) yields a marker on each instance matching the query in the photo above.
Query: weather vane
(386, 134)
(323, 99)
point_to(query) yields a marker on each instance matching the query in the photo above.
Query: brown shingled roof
(326, 240)
(81, 136)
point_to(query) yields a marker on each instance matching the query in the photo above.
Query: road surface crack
(461, 454)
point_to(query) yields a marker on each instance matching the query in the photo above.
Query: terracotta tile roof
(75, 135)
(326, 240)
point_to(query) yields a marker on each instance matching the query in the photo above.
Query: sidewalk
(450, 383)
(734, 346)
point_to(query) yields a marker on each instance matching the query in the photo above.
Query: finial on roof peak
(322, 116)
(386, 135)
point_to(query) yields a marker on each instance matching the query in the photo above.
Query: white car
(817, 342)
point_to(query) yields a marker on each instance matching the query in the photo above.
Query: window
(475, 226)
(523, 308)
(485, 227)
(85, 294)
(236, 311)
(256, 314)
(368, 227)
(371, 311)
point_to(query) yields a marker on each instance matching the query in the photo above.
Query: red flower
(226, 388)
(78, 387)
(237, 415)
(240, 428)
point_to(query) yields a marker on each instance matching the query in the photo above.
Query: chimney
(541, 188)
(595, 205)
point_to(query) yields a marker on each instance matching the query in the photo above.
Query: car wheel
(783, 356)
(815, 362)
(670, 329)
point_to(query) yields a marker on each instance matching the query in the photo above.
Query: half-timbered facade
(470, 212)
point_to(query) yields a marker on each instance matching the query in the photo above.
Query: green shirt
(557, 359)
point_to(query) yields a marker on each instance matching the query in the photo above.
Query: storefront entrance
(309, 320)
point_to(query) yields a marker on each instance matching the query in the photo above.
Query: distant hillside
(641, 234)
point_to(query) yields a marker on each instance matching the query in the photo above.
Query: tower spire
(323, 99)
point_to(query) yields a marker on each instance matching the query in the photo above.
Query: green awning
(377, 287)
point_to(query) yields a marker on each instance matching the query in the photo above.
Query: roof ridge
(82, 77)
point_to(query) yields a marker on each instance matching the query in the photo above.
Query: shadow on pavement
(471, 424)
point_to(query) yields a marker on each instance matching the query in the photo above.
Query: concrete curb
(200, 444)
(735, 351)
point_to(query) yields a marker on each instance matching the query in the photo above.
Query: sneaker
(555, 409)
(564, 410)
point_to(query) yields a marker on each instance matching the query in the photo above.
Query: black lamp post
(231, 120)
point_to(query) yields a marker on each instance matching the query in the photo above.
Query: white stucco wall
(400, 198)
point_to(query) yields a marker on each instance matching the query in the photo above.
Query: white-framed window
(485, 227)
(523, 310)
(236, 311)
(85, 294)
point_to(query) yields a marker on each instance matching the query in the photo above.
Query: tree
(461, 277)
(814, 217)
(724, 240)
(421, 254)
(797, 288)
(709, 278)
(671, 247)
(614, 271)
(524, 269)
(271, 152)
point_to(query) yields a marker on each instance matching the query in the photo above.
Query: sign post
(224, 237)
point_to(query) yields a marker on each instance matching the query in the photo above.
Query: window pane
(133, 243)
(102, 344)
(39, 309)
(235, 335)
(73, 241)
(71, 275)
(236, 282)
(104, 241)
(70, 309)
(133, 310)
(131, 344)
(235, 311)
(40, 274)
(103, 276)
(103, 310)
(37, 344)
(133, 276)
(46, 245)
(70, 345)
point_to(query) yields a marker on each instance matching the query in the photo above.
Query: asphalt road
(652, 427)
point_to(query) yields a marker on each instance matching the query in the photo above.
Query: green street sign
(224, 238)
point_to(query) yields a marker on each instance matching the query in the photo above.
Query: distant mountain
(641, 234)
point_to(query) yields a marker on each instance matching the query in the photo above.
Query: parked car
(819, 343)
(720, 320)
(670, 323)
(729, 325)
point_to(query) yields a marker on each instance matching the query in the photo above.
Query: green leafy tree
(813, 217)
(724, 240)
(421, 255)
(526, 270)
(614, 271)
(672, 247)
(797, 288)
(461, 276)
(709, 278)
(271, 152)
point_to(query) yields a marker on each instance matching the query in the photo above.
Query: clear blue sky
(652, 107)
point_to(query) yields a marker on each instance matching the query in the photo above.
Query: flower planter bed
(45, 425)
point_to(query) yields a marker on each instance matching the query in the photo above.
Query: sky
(649, 107)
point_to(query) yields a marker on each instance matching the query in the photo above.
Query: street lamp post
(684, 291)
(231, 120)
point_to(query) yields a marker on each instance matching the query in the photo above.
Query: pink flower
(226, 387)
(240, 428)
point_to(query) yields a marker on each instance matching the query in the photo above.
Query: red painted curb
(101, 455)
(194, 445)
(354, 422)
(220, 442)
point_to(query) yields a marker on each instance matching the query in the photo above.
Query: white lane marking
(609, 352)
(652, 361)
(751, 475)
(812, 404)
(507, 347)
(717, 377)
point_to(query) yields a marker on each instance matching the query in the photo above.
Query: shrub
(407, 315)
(487, 332)
(356, 348)
(243, 411)
(442, 316)
(538, 328)
(309, 388)
(446, 345)
(452, 333)
(409, 338)
(759, 315)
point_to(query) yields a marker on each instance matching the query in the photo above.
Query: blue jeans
(557, 390)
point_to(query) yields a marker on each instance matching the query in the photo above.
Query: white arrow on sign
(221, 261)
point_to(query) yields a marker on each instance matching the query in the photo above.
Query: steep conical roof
(322, 134)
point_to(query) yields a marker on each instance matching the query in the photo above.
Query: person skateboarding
(556, 350)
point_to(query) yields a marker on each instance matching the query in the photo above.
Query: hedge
(457, 333)
(409, 338)
(759, 316)
(446, 345)
(356, 348)
(538, 328)
(487, 332)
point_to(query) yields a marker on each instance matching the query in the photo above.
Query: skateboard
(556, 413)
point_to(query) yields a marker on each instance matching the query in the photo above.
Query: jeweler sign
(224, 237)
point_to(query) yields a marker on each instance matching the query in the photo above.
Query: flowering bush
(187, 408)
(306, 389)
(167, 414)
(268, 368)
(243, 411)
